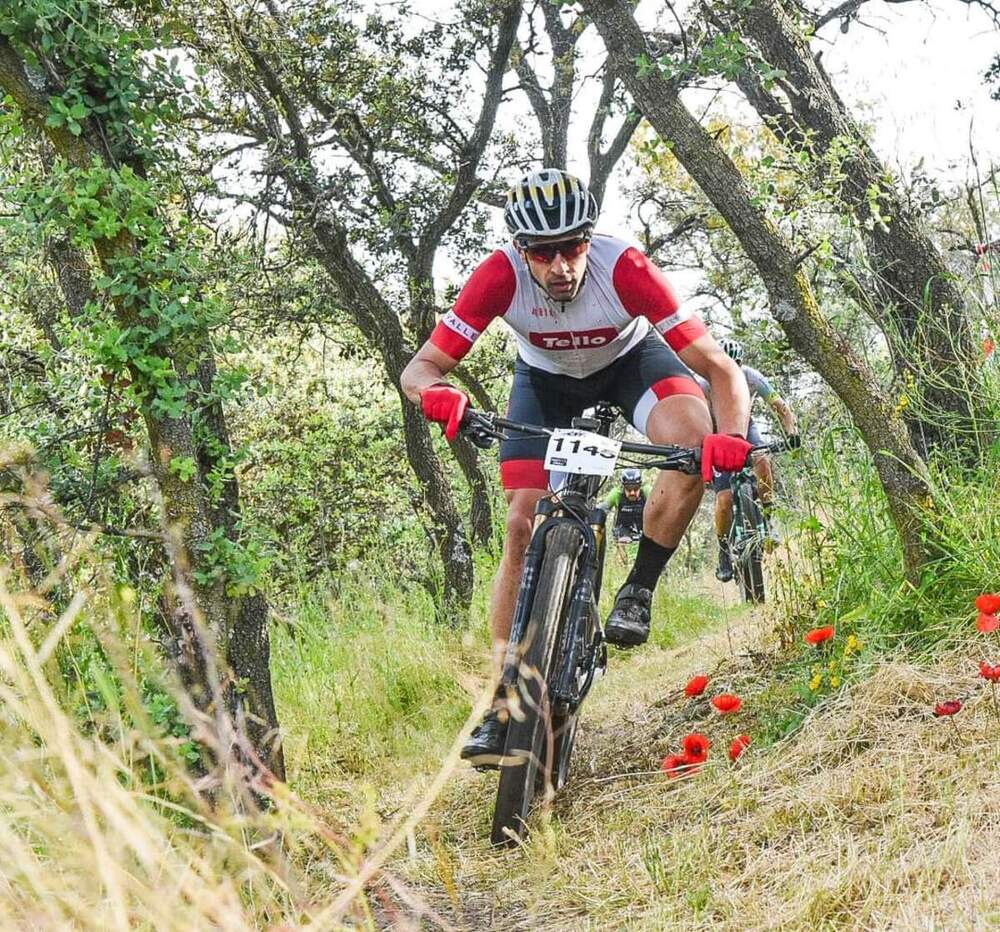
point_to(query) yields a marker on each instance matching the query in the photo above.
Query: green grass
(681, 615)
(368, 688)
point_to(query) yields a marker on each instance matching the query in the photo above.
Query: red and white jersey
(622, 295)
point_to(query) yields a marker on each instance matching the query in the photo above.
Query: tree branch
(602, 163)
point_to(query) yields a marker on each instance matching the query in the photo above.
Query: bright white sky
(916, 70)
(917, 67)
(921, 69)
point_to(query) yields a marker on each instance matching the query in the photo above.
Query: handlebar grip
(791, 442)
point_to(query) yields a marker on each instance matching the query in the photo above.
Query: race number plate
(580, 451)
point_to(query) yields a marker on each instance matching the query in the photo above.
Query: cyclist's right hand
(793, 441)
(445, 404)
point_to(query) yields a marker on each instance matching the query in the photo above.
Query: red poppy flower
(819, 635)
(988, 603)
(738, 746)
(726, 703)
(696, 747)
(989, 673)
(696, 686)
(676, 765)
(947, 708)
(987, 623)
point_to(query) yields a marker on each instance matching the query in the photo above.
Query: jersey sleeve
(758, 384)
(645, 292)
(487, 295)
(614, 498)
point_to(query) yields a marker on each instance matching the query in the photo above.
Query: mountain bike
(749, 531)
(556, 648)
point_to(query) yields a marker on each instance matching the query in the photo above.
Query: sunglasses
(567, 248)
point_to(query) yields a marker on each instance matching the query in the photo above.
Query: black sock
(723, 543)
(649, 563)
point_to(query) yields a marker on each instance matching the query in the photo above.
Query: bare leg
(765, 479)
(684, 420)
(723, 512)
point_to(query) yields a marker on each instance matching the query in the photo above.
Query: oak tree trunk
(793, 305)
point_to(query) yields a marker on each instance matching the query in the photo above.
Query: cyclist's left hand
(724, 452)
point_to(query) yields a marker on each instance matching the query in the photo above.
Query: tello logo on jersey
(573, 339)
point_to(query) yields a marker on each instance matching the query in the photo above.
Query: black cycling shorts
(634, 382)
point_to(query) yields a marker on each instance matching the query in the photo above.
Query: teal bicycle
(749, 532)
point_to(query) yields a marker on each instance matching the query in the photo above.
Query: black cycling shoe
(628, 623)
(485, 745)
(724, 571)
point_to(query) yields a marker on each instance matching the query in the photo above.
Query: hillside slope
(872, 815)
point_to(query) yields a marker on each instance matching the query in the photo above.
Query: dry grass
(103, 826)
(875, 815)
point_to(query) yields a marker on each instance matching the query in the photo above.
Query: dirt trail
(627, 724)
(869, 816)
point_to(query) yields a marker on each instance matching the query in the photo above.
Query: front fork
(575, 650)
(526, 590)
(582, 636)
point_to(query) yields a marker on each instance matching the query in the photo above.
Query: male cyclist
(759, 387)
(594, 320)
(629, 498)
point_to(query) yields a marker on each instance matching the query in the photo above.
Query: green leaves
(240, 565)
(64, 114)
(184, 467)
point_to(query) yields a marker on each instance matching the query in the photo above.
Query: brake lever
(478, 437)
(480, 432)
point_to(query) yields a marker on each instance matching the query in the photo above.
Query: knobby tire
(531, 741)
(748, 552)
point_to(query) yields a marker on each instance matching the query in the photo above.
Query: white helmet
(548, 203)
(733, 349)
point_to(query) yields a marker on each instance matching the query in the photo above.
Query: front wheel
(531, 737)
(748, 547)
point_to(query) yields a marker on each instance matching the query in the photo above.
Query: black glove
(793, 441)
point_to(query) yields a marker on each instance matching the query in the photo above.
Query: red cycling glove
(444, 404)
(724, 452)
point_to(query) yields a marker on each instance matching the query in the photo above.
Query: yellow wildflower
(815, 682)
(834, 681)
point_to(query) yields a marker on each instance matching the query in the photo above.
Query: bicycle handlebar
(483, 429)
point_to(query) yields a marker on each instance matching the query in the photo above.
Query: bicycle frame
(740, 479)
(574, 503)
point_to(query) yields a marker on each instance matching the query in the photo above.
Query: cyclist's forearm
(429, 366)
(730, 395)
(730, 401)
(787, 415)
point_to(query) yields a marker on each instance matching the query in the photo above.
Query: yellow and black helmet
(549, 202)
